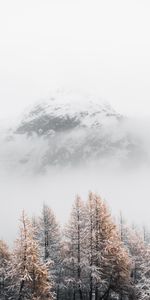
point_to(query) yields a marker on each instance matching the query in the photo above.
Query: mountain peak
(69, 130)
(65, 113)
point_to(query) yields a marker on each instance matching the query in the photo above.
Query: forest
(93, 257)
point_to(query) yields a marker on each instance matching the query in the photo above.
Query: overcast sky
(100, 47)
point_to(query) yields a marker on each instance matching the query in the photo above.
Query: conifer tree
(92, 245)
(108, 259)
(140, 254)
(4, 265)
(75, 257)
(50, 243)
(28, 274)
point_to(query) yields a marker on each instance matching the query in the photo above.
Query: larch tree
(144, 283)
(94, 260)
(108, 259)
(122, 227)
(28, 274)
(92, 228)
(75, 252)
(140, 254)
(146, 235)
(49, 236)
(4, 267)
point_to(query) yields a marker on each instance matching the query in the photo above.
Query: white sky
(100, 47)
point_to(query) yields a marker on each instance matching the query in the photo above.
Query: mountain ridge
(69, 132)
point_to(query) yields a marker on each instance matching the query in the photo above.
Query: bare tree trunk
(58, 292)
(79, 256)
(106, 295)
(20, 291)
(91, 251)
(74, 295)
(24, 258)
(97, 248)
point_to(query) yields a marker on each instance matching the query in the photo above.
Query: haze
(99, 47)
(95, 47)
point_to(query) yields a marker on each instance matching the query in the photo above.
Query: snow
(92, 111)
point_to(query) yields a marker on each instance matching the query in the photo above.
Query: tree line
(91, 258)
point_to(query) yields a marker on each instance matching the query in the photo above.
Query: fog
(97, 47)
(125, 186)
(124, 191)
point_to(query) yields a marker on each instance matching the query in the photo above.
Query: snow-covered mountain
(57, 116)
(66, 131)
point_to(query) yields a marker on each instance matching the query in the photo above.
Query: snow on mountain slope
(65, 114)
(68, 131)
